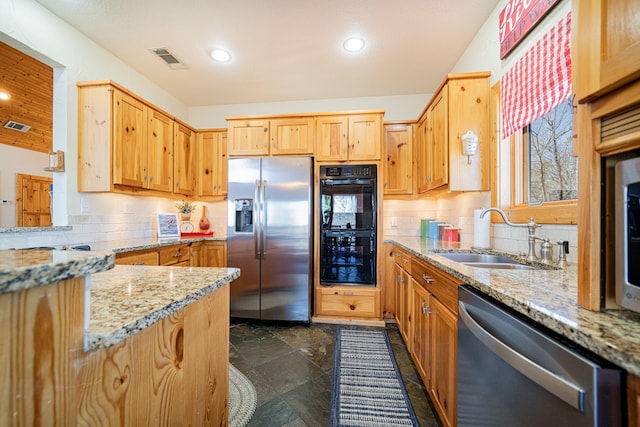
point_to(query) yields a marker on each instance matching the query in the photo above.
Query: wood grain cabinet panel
(184, 147)
(130, 141)
(160, 151)
(248, 137)
(352, 137)
(398, 159)
(138, 258)
(211, 172)
(348, 303)
(292, 136)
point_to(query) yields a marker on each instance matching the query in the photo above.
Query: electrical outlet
(394, 221)
(4, 202)
(84, 206)
(127, 207)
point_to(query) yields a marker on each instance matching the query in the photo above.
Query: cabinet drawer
(402, 258)
(438, 283)
(174, 254)
(135, 258)
(347, 303)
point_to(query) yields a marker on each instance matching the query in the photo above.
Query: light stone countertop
(127, 299)
(123, 246)
(549, 298)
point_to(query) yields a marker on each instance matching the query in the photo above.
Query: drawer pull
(405, 260)
(138, 263)
(177, 255)
(425, 309)
(427, 278)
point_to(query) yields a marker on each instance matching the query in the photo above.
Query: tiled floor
(290, 367)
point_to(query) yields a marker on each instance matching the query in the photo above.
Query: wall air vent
(17, 126)
(168, 58)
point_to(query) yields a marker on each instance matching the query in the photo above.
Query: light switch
(394, 221)
(84, 206)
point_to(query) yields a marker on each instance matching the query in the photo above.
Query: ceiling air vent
(17, 126)
(168, 58)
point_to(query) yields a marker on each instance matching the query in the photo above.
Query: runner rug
(367, 386)
(242, 398)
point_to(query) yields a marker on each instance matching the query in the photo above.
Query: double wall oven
(348, 225)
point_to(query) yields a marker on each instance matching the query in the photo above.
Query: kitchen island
(90, 344)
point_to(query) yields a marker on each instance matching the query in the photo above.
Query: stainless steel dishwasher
(511, 373)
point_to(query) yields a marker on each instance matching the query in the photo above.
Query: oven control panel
(355, 171)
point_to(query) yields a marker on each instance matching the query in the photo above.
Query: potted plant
(185, 208)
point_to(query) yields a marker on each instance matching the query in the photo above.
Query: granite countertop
(24, 269)
(547, 297)
(123, 246)
(127, 299)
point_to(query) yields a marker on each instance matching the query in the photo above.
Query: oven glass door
(348, 234)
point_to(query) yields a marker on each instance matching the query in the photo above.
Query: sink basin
(486, 261)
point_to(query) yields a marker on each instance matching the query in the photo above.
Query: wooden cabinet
(460, 104)
(214, 254)
(127, 145)
(195, 254)
(606, 52)
(138, 258)
(348, 302)
(292, 136)
(426, 314)
(398, 158)
(211, 172)
(248, 137)
(183, 160)
(356, 137)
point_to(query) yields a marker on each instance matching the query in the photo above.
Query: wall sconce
(56, 162)
(469, 145)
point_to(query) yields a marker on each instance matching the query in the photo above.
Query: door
(130, 141)
(242, 245)
(33, 207)
(287, 242)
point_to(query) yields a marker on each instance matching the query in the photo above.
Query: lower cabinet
(214, 254)
(348, 302)
(426, 314)
(211, 253)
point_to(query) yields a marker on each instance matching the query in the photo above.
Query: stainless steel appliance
(627, 233)
(510, 373)
(270, 238)
(348, 229)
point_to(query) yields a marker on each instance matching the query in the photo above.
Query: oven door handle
(561, 388)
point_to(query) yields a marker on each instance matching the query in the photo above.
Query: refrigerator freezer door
(287, 231)
(241, 244)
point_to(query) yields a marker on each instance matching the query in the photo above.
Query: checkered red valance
(539, 81)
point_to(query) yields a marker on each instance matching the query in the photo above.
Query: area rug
(367, 386)
(242, 398)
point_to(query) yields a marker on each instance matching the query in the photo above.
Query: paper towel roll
(481, 227)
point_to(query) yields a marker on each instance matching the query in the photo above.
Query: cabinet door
(403, 301)
(195, 254)
(443, 387)
(211, 173)
(438, 142)
(215, 254)
(248, 137)
(331, 138)
(398, 164)
(422, 157)
(365, 137)
(421, 334)
(183, 160)
(291, 136)
(130, 141)
(607, 53)
(160, 151)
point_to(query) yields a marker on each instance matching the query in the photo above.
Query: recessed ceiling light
(353, 44)
(220, 55)
(4, 96)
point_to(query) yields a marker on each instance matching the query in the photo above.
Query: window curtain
(539, 81)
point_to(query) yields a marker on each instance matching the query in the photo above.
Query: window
(536, 171)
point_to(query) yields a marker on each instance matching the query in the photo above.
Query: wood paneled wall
(29, 83)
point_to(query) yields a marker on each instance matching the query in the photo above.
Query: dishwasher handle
(561, 388)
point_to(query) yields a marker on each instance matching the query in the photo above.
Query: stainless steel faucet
(531, 226)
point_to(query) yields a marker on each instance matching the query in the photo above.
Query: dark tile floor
(290, 366)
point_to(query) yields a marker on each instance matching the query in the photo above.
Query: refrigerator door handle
(263, 219)
(256, 225)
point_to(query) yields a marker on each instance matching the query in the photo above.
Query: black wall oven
(348, 225)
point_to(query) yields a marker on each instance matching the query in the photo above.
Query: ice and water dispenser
(244, 215)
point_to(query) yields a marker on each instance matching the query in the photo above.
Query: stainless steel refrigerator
(270, 237)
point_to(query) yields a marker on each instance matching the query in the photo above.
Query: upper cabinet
(398, 158)
(461, 104)
(605, 46)
(352, 137)
(212, 163)
(125, 144)
(262, 137)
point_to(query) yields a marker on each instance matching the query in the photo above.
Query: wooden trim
(298, 115)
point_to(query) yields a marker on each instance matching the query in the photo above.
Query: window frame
(560, 212)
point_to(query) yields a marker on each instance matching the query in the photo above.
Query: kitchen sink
(486, 261)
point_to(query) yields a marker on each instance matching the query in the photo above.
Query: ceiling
(283, 50)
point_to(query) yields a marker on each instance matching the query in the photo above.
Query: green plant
(186, 207)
